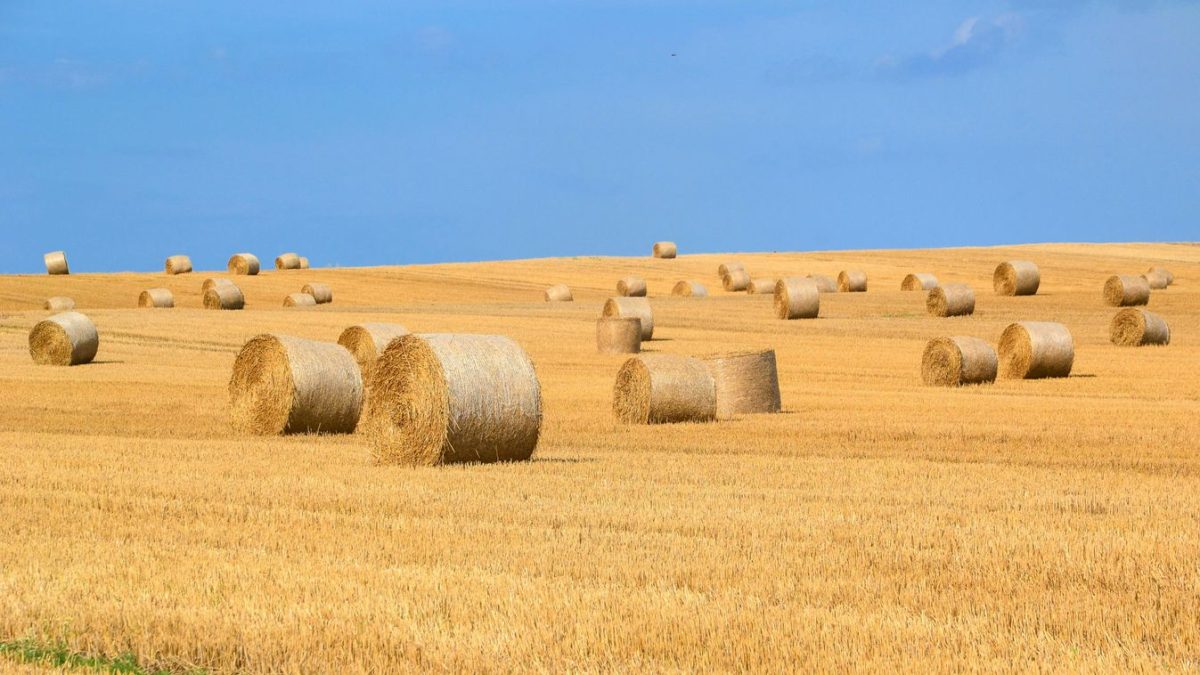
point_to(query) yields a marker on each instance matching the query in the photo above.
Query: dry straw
(59, 303)
(56, 263)
(287, 261)
(637, 308)
(322, 293)
(1016, 277)
(1164, 272)
(224, 296)
(736, 280)
(213, 282)
(289, 385)
(632, 287)
(559, 293)
(852, 281)
(66, 339)
(761, 286)
(618, 335)
(367, 341)
(919, 282)
(1126, 290)
(665, 249)
(299, 300)
(745, 382)
(1036, 349)
(303, 263)
(441, 399)
(724, 269)
(955, 361)
(1156, 280)
(664, 388)
(178, 264)
(156, 297)
(951, 300)
(243, 264)
(797, 298)
(1134, 327)
(690, 289)
(824, 284)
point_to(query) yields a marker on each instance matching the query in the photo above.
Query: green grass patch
(60, 656)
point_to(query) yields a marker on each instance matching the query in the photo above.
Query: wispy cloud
(976, 42)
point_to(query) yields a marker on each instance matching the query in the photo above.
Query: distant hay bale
(1156, 280)
(56, 263)
(1164, 272)
(322, 293)
(691, 289)
(1036, 349)
(1134, 327)
(618, 335)
(632, 287)
(287, 261)
(212, 282)
(299, 300)
(951, 300)
(663, 389)
(559, 293)
(745, 382)
(156, 298)
(59, 303)
(303, 263)
(919, 282)
(367, 341)
(955, 361)
(665, 249)
(1016, 277)
(761, 286)
(724, 269)
(289, 385)
(852, 281)
(442, 399)
(243, 264)
(1126, 290)
(824, 284)
(224, 296)
(178, 264)
(736, 280)
(637, 308)
(797, 298)
(67, 339)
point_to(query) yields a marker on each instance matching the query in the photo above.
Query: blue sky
(386, 132)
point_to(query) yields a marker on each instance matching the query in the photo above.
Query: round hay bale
(760, 286)
(665, 249)
(919, 282)
(724, 269)
(797, 298)
(66, 339)
(322, 293)
(303, 263)
(178, 264)
(745, 382)
(215, 281)
(1156, 280)
(367, 341)
(637, 308)
(690, 289)
(662, 389)
(1016, 277)
(852, 281)
(955, 361)
(824, 284)
(951, 300)
(618, 335)
(243, 264)
(156, 297)
(736, 280)
(289, 385)
(1134, 327)
(559, 293)
(224, 296)
(1125, 290)
(1036, 349)
(56, 263)
(441, 399)
(632, 287)
(1163, 272)
(299, 300)
(59, 303)
(287, 261)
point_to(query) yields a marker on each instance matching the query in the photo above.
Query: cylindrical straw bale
(1125, 290)
(745, 382)
(287, 261)
(761, 286)
(632, 287)
(56, 263)
(852, 281)
(664, 388)
(59, 303)
(156, 297)
(243, 263)
(951, 300)
(724, 269)
(214, 281)
(955, 361)
(665, 249)
(1134, 327)
(1164, 272)
(693, 289)
(1016, 277)
(1036, 349)
(303, 262)
(367, 341)
(66, 339)
(440, 399)
(797, 298)
(289, 385)
(299, 300)
(824, 284)
(919, 282)
(1156, 280)
(637, 308)
(178, 264)
(224, 296)
(322, 293)
(736, 280)
(618, 335)
(559, 293)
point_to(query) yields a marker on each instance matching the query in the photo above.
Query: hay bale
(243, 264)
(1156, 280)
(1016, 277)
(690, 289)
(1036, 349)
(59, 303)
(618, 335)
(299, 300)
(156, 297)
(955, 361)
(287, 261)
(214, 281)
(632, 287)
(736, 280)
(178, 264)
(760, 286)
(852, 281)
(724, 269)
(224, 296)
(303, 263)
(289, 385)
(797, 298)
(637, 308)
(665, 249)
(824, 284)
(951, 300)
(66, 339)
(1134, 327)
(919, 282)
(441, 399)
(664, 388)
(559, 293)
(366, 342)
(322, 293)
(1163, 272)
(56, 263)
(1125, 290)
(745, 382)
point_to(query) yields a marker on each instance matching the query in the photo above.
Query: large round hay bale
(1036, 349)
(637, 308)
(224, 296)
(559, 293)
(955, 361)
(724, 269)
(1134, 327)
(951, 300)
(243, 264)
(797, 298)
(632, 287)
(761, 286)
(852, 281)
(1125, 290)
(303, 262)
(919, 282)
(66, 339)
(59, 303)
(322, 293)
(440, 399)
(1156, 280)
(736, 280)
(215, 281)
(690, 289)
(824, 284)
(1016, 277)
(178, 264)
(367, 341)
(618, 335)
(299, 300)
(664, 388)
(289, 385)
(287, 261)
(157, 298)
(1163, 272)
(56, 263)
(665, 249)
(745, 382)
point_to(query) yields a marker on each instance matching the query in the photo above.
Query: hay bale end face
(299, 300)
(1164, 272)
(919, 282)
(745, 382)
(851, 281)
(632, 287)
(1126, 290)
(178, 264)
(663, 389)
(1016, 277)
(559, 293)
(1036, 349)
(797, 298)
(951, 300)
(224, 296)
(690, 289)
(761, 286)
(1156, 280)
(955, 361)
(159, 298)
(245, 264)
(442, 399)
(366, 342)
(636, 308)
(287, 261)
(736, 280)
(56, 263)
(322, 293)
(67, 339)
(665, 249)
(1135, 327)
(59, 303)
(724, 269)
(618, 335)
(289, 385)
(824, 284)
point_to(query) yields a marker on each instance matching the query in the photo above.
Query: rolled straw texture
(559, 293)
(178, 264)
(322, 293)
(761, 286)
(745, 382)
(67, 339)
(1036, 349)
(1156, 280)
(797, 298)
(693, 289)
(1135, 327)
(367, 341)
(736, 280)
(955, 361)
(303, 263)
(724, 269)
(1016, 277)
(1126, 290)
(243, 264)
(299, 300)
(665, 249)
(664, 388)
(1163, 271)
(852, 281)
(59, 303)
(224, 296)
(287, 261)
(212, 282)
(824, 284)
(161, 298)
(632, 287)
(56, 263)
(637, 308)
(951, 300)
(919, 282)
(618, 335)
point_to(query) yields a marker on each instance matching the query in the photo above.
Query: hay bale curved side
(1016, 277)
(303, 262)
(724, 269)
(287, 261)
(665, 249)
(824, 284)
(632, 287)
(690, 289)
(663, 389)
(1163, 272)
(322, 293)
(67, 339)
(212, 282)
(797, 298)
(245, 264)
(299, 300)
(1135, 327)
(559, 293)
(618, 335)
(955, 361)
(745, 382)
(951, 300)
(852, 281)
(59, 303)
(366, 342)
(161, 298)
(56, 263)
(638, 308)
(919, 281)
(224, 296)
(1036, 349)
(1156, 280)
(1126, 290)
(761, 286)
(178, 264)
(736, 280)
